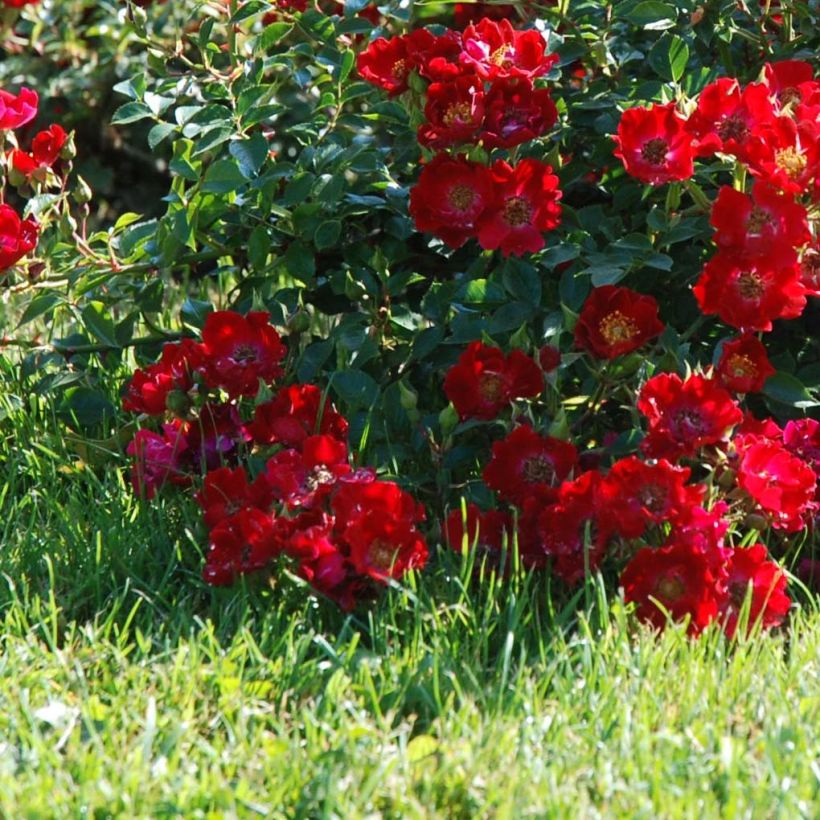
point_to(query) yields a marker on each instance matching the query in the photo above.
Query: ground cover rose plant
(431, 280)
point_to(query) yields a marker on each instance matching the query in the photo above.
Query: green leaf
(348, 59)
(299, 261)
(327, 234)
(789, 390)
(669, 57)
(131, 112)
(259, 247)
(652, 14)
(250, 154)
(87, 406)
(355, 388)
(159, 132)
(40, 304)
(97, 321)
(223, 177)
(194, 312)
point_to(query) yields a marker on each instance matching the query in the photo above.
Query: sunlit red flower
(158, 459)
(515, 112)
(526, 464)
(727, 115)
(785, 153)
(17, 236)
(679, 581)
(244, 543)
(785, 78)
(239, 350)
(496, 50)
(17, 110)
(227, 490)
(781, 484)
(654, 145)
(749, 293)
(750, 571)
(454, 112)
(525, 205)
(450, 197)
(387, 64)
(149, 390)
(810, 270)
(484, 381)
(684, 416)
(615, 321)
(436, 57)
(744, 365)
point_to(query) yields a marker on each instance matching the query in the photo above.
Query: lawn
(129, 688)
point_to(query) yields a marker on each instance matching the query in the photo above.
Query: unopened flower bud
(448, 419)
(82, 192)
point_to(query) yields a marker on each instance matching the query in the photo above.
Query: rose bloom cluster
(19, 236)
(669, 535)
(346, 531)
(768, 259)
(480, 94)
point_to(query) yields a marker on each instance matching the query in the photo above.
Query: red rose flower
(302, 479)
(213, 438)
(654, 145)
(484, 381)
(801, 437)
(159, 458)
(149, 390)
(786, 154)
(766, 223)
(296, 412)
(637, 494)
(749, 294)
(785, 78)
(482, 530)
(17, 237)
(525, 205)
(781, 484)
(238, 351)
(454, 112)
(515, 112)
(226, 491)
(678, 579)
(810, 270)
(727, 115)
(747, 569)
(450, 197)
(549, 357)
(387, 64)
(436, 57)
(684, 416)
(563, 528)
(47, 145)
(525, 465)
(744, 365)
(19, 110)
(615, 321)
(244, 543)
(495, 50)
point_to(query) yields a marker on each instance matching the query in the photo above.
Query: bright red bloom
(495, 50)
(766, 223)
(786, 153)
(296, 412)
(450, 197)
(18, 4)
(515, 112)
(785, 77)
(244, 543)
(454, 112)
(637, 494)
(484, 381)
(615, 321)
(654, 145)
(678, 579)
(45, 151)
(802, 438)
(483, 530)
(684, 416)
(525, 205)
(749, 293)
(744, 365)
(727, 115)
(769, 603)
(563, 528)
(226, 491)
(17, 236)
(302, 479)
(781, 484)
(19, 110)
(436, 57)
(159, 458)
(239, 350)
(525, 465)
(387, 64)
(148, 390)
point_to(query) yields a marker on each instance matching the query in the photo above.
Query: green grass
(128, 688)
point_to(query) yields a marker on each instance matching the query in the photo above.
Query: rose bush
(521, 279)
